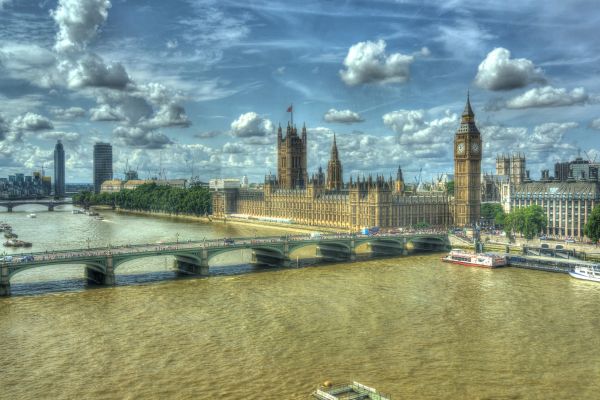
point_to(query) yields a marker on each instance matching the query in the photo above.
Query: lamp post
(88, 242)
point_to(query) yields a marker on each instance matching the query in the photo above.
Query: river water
(412, 327)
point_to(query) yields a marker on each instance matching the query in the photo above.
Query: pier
(193, 257)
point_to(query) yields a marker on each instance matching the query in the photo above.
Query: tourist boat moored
(485, 260)
(586, 272)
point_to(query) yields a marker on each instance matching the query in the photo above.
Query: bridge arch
(94, 265)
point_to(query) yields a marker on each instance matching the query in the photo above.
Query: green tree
(592, 226)
(154, 198)
(493, 212)
(450, 188)
(528, 221)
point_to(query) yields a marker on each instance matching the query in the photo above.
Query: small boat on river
(32, 215)
(586, 272)
(484, 260)
(354, 390)
(10, 235)
(16, 243)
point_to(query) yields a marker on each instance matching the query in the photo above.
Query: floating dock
(549, 264)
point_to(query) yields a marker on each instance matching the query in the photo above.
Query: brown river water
(412, 327)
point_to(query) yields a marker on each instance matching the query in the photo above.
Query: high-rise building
(102, 164)
(59, 170)
(334, 169)
(291, 165)
(467, 170)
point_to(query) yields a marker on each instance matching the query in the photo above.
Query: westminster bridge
(193, 257)
(10, 204)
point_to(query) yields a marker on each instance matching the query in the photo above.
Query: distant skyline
(203, 84)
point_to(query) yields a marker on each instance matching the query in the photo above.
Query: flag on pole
(289, 109)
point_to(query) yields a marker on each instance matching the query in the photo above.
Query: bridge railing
(240, 242)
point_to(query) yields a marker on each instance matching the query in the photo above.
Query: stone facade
(567, 205)
(366, 202)
(467, 170)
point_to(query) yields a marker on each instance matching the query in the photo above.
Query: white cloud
(31, 122)
(463, 39)
(92, 71)
(595, 124)
(168, 115)
(64, 136)
(499, 72)
(137, 137)
(251, 124)
(67, 113)
(78, 22)
(549, 96)
(342, 116)
(367, 62)
(172, 44)
(539, 144)
(233, 148)
(104, 112)
(405, 120)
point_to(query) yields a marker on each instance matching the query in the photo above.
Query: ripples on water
(413, 327)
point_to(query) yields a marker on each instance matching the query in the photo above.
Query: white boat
(32, 215)
(485, 260)
(586, 272)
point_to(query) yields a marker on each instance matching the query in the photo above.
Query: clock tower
(467, 170)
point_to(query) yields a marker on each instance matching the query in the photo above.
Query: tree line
(153, 198)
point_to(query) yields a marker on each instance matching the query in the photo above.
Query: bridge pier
(50, 207)
(9, 208)
(190, 266)
(4, 281)
(104, 278)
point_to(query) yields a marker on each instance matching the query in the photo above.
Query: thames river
(412, 327)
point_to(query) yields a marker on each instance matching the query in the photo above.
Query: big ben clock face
(475, 147)
(460, 148)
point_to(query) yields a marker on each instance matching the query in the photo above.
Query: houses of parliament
(326, 200)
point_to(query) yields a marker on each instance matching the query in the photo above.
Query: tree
(592, 226)
(493, 212)
(153, 198)
(528, 221)
(450, 188)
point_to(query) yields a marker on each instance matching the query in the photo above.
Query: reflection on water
(413, 327)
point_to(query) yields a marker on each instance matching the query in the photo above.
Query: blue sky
(202, 85)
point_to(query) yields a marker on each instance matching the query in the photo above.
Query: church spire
(334, 150)
(334, 169)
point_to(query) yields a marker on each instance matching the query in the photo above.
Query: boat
(5, 227)
(354, 390)
(92, 213)
(99, 217)
(32, 215)
(16, 243)
(586, 272)
(485, 260)
(10, 235)
(77, 211)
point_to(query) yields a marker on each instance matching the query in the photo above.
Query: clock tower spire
(467, 169)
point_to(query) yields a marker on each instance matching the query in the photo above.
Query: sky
(198, 87)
